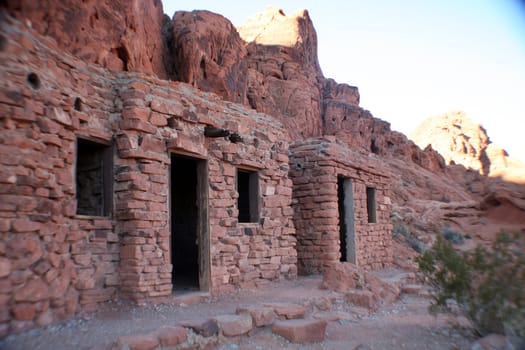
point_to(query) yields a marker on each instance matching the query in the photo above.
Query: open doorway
(189, 224)
(345, 199)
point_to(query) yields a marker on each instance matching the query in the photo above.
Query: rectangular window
(371, 204)
(93, 178)
(248, 200)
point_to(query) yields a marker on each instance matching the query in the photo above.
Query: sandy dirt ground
(406, 324)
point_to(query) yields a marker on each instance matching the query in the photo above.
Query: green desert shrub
(486, 285)
(452, 236)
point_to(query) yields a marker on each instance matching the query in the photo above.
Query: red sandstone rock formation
(499, 196)
(462, 141)
(457, 138)
(285, 79)
(209, 54)
(276, 71)
(117, 34)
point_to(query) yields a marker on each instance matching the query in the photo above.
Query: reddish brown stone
(207, 328)
(126, 37)
(211, 54)
(138, 342)
(341, 277)
(287, 310)
(21, 225)
(234, 325)
(171, 335)
(44, 318)
(261, 316)
(360, 297)
(5, 267)
(24, 251)
(23, 312)
(301, 331)
(32, 291)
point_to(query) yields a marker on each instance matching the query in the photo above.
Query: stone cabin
(342, 206)
(125, 185)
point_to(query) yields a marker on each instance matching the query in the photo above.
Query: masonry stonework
(315, 166)
(91, 177)
(55, 262)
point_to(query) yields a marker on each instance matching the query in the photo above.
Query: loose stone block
(287, 310)
(171, 335)
(301, 331)
(138, 342)
(234, 325)
(360, 297)
(261, 316)
(206, 328)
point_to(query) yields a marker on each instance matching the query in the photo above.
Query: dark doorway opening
(189, 224)
(345, 200)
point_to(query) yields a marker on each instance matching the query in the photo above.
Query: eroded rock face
(270, 63)
(462, 141)
(119, 34)
(208, 53)
(457, 138)
(285, 79)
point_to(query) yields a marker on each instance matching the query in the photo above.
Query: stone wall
(54, 262)
(315, 166)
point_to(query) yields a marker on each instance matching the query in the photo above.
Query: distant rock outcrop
(457, 138)
(462, 141)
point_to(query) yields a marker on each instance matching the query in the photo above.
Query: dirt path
(405, 324)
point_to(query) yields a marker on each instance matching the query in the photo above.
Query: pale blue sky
(412, 59)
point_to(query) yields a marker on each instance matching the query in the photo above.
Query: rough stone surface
(261, 316)
(287, 310)
(361, 287)
(207, 328)
(120, 35)
(73, 71)
(234, 325)
(342, 277)
(171, 335)
(363, 298)
(301, 331)
(50, 254)
(209, 54)
(138, 342)
(316, 166)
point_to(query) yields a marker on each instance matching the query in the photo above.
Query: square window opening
(248, 200)
(93, 177)
(371, 204)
